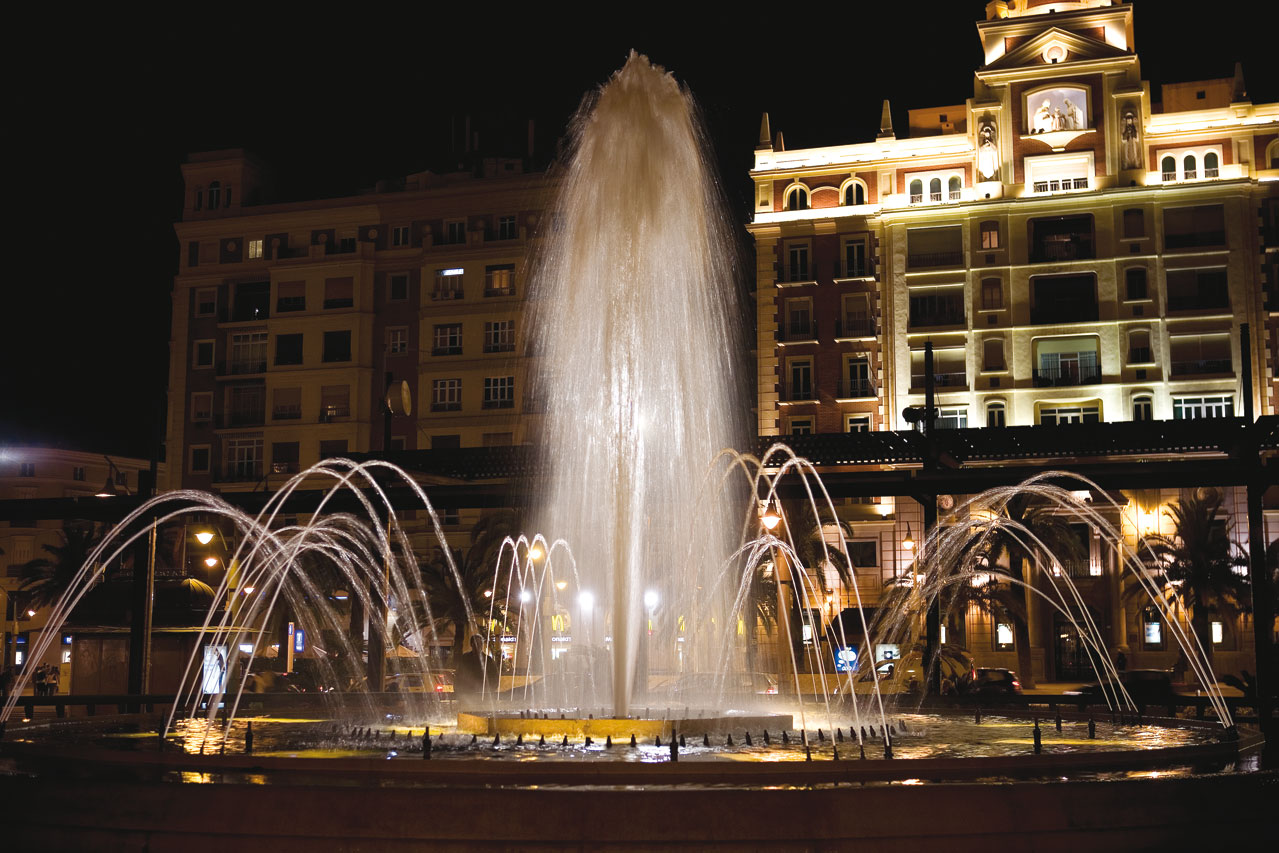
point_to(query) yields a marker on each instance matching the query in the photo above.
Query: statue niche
(987, 152)
(1130, 148)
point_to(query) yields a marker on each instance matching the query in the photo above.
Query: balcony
(798, 331)
(1064, 377)
(916, 198)
(858, 269)
(499, 346)
(242, 366)
(1169, 177)
(798, 272)
(450, 349)
(1078, 247)
(955, 379)
(1202, 367)
(241, 472)
(922, 260)
(242, 418)
(1056, 185)
(850, 388)
(339, 302)
(444, 294)
(498, 285)
(498, 403)
(854, 326)
(334, 412)
(290, 303)
(1192, 174)
(286, 413)
(1075, 569)
(446, 406)
(792, 393)
(1204, 301)
(1057, 311)
(1194, 239)
(1210, 173)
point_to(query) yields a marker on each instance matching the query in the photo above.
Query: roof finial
(886, 123)
(765, 134)
(1240, 91)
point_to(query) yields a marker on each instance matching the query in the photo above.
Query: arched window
(995, 413)
(1139, 347)
(797, 198)
(934, 189)
(916, 191)
(1143, 408)
(199, 199)
(215, 195)
(955, 185)
(855, 193)
(1168, 166)
(1188, 167)
(1210, 164)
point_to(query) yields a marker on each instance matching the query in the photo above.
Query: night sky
(101, 114)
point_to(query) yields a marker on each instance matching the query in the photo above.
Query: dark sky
(101, 113)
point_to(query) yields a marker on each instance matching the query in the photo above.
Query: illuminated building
(1077, 246)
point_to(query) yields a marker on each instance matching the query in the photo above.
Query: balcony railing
(934, 196)
(1198, 301)
(287, 413)
(1074, 568)
(955, 194)
(498, 403)
(1139, 355)
(956, 379)
(1061, 377)
(243, 418)
(242, 472)
(1169, 177)
(859, 269)
(935, 259)
(499, 346)
(954, 317)
(916, 198)
(339, 302)
(1191, 174)
(795, 393)
(442, 294)
(1202, 366)
(854, 326)
(799, 331)
(290, 303)
(1063, 311)
(449, 349)
(1059, 184)
(238, 367)
(799, 272)
(446, 405)
(498, 285)
(1210, 173)
(334, 412)
(855, 388)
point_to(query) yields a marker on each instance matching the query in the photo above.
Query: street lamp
(204, 537)
(909, 542)
(771, 517)
(651, 599)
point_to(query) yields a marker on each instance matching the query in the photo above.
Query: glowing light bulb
(536, 552)
(204, 537)
(210, 561)
(650, 599)
(585, 600)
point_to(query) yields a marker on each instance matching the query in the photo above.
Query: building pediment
(1057, 44)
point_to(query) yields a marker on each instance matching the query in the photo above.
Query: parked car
(995, 681)
(1145, 686)
(906, 674)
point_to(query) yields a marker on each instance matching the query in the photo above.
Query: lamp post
(771, 519)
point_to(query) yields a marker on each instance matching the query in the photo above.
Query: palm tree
(1018, 523)
(45, 579)
(1199, 564)
(449, 595)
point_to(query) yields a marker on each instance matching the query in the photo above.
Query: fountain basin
(504, 724)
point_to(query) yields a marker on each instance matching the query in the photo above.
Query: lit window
(255, 249)
(499, 280)
(990, 235)
(448, 284)
(1003, 637)
(1152, 629)
(1218, 633)
(1192, 408)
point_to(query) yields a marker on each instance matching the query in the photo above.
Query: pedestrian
(6, 679)
(1121, 660)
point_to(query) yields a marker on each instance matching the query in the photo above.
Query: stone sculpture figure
(987, 153)
(1131, 148)
(1044, 117)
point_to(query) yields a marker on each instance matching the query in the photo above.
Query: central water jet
(636, 333)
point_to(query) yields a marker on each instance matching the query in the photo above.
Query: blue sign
(299, 640)
(846, 659)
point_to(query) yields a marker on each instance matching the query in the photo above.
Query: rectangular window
(499, 280)
(1061, 238)
(1064, 299)
(941, 307)
(255, 250)
(203, 354)
(199, 461)
(992, 294)
(800, 386)
(243, 459)
(1153, 632)
(77, 473)
(796, 263)
(934, 247)
(864, 553)
(801, 426)
(335, 402)
(1135, 283)
(400, 235)
(506, 229)
(337, 346)
(1192, 408)
(202, 406)
(799, 320)
(1194, 227)
(855, 259)
(499, 336)
(990, 235)
(206, 302)
(455, 232)
(288, 349)
(248, 352)
(1060, 415)
(246, 406)
(397, 340)
(1004, 637)
(1134, 223)
(996, 414)
(285, 456)
(332, 448)
(446, 396)
(193, 254)
(286, 404)
(447, 339)
(1198, 289)
(499, 392)
(858, 423)
(26, 469)
(290, 296)
(1143, 409)
(339, 292)
(954, 418)
(448, 284)
(398, 286)
(252, 301)
(1218, 633)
